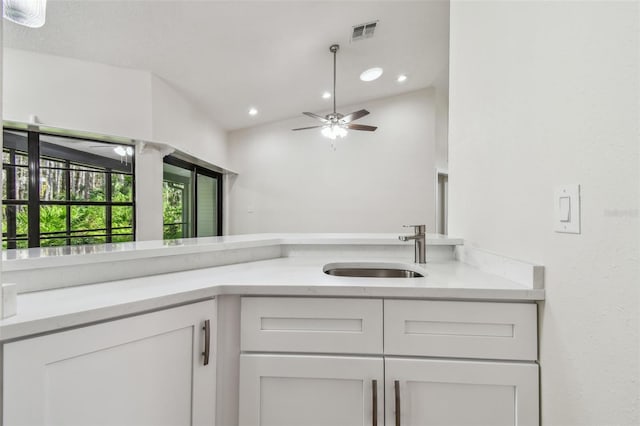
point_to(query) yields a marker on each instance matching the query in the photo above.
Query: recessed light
(402, 78)
(253, 111)
(326, 95)
(371, 74)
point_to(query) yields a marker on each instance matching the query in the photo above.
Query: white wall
(543, 94)
(77, 95)
(442, 127)
(374, 182)
(179, 122)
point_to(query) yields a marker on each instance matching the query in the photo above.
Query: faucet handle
(419, 229)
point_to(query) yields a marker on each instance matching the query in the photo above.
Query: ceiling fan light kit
(30, 13)
(334, 125)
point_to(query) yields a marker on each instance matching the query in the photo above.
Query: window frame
(195, 171)
(34, 202)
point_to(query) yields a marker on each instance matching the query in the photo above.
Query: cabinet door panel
(81, 389)
(462, 393)
(143, 370)
(284, 390)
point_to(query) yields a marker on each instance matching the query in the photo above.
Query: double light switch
(567, 209)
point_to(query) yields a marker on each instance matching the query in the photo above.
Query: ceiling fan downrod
(334, 49)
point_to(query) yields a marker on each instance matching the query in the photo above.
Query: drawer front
(274, 324)
(461, 329)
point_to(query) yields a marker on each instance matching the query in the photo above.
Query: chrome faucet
(421, 245)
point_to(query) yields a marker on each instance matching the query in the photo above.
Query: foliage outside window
(175, 223)
(64, 191)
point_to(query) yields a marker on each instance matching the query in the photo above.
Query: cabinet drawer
(461, 329)
(311, 325)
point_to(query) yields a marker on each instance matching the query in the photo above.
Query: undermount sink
(373, 270)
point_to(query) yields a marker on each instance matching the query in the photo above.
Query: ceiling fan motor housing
(334, 117)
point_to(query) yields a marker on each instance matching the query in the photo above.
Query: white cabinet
(488, 380)
(297, 324)
(297, 390)
(432, 392)
(482, 330)
(143, 370)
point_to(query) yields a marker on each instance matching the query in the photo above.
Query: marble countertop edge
(27, 259)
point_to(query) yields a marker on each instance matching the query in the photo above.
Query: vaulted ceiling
(228, 56)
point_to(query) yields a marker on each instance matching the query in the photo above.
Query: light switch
(567, 209)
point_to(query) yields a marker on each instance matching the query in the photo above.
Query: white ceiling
(227, 56)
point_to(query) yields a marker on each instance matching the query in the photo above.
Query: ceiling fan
(334, 124)
(123, 151)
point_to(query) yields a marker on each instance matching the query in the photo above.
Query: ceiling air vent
(363, 31)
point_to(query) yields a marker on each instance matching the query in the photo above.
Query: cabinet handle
(374, 392)
(396, 386)
(207, 341)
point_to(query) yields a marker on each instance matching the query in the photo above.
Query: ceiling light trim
(371, 74)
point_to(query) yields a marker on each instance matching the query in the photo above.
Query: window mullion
(11, 212)
(67, 197)
(34, 188)
(108, 208)
(194, 204)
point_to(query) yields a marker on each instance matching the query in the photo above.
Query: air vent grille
(363, 31)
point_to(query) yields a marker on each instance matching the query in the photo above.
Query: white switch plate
(560, 222)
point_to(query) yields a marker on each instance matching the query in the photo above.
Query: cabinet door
(142, 370)
(460, 393)
(288, 390)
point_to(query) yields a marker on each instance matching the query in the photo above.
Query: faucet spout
(420, 242)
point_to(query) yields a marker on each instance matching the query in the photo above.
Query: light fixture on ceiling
(402, 78)
(123, 151)
(334, 131)
(335, 125)
(326, 95)
(253, 111)
(30, 13)
(371, 74)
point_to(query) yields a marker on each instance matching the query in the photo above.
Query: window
(192, 200)
(60, 190)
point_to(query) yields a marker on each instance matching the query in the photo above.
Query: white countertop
(46, 311)
(28, 259)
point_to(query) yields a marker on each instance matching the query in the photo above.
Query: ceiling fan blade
(316, 116)
(361, 127)
(305, 128)
(353, 116)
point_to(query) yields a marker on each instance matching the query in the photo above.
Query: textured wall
(78, 95)
(373, 182)
(544, 94)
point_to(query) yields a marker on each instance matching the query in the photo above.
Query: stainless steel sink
(373, 270)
